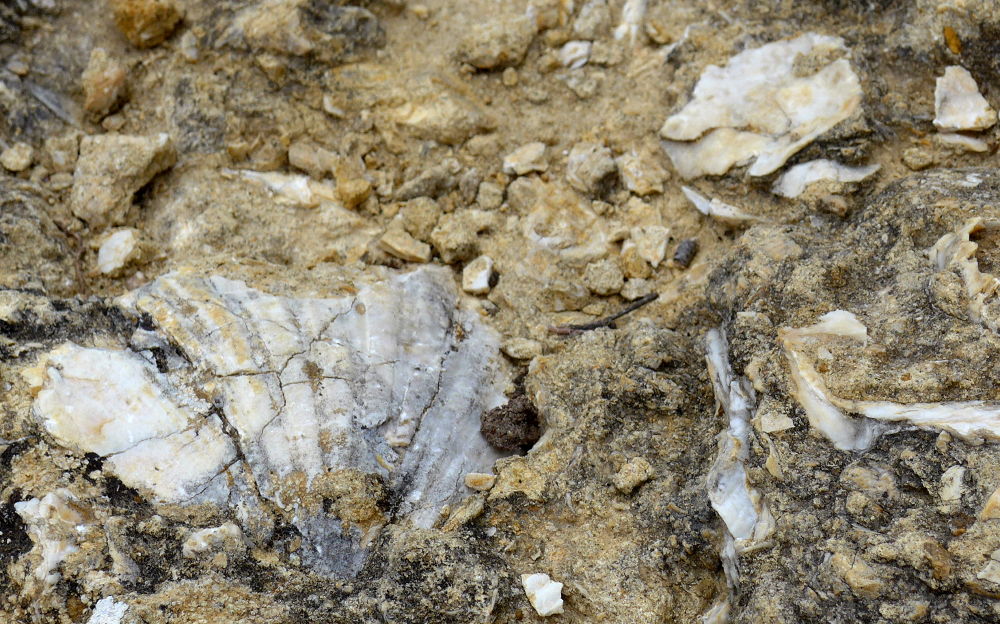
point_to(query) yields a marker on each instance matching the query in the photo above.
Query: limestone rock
(589, 164)
(110, 169)
(103, 82)
(477, 275)
(145, 23)
(499, 41)
(526, 159)
(325, 31)
(17, 157)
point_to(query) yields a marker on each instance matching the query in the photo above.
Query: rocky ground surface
(802, 426)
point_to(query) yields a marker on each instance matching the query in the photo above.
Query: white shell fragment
(764, 109)
(736, 501)
(717, 209)
(108, 611)
(793, 182)
(544, 594)
(633, 15)
(388, 382)
(958, 105)
(827, 413)
(291, 188)
(956, 251)
(962, 141)
(115, 404)
(116, 250)
(211, 539)
(476, 276)
(575, 54)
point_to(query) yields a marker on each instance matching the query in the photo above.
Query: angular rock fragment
(500, 41)
(110, 169)
(477, 276)
(588, 165)
(525, 159)
(758, 107)
(329, 32)
(103, 82)
(145, 23)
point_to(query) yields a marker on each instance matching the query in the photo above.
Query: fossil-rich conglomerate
(872, 354)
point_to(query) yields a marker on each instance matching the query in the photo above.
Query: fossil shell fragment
(828, 413)
(763, 107)
(285, 398)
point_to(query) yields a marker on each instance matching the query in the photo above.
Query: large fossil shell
(228, 393)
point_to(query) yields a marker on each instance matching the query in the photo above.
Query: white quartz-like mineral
(544, 594)
(761, 107)
(958, 105)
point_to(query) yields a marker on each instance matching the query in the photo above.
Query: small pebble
(604, 277)
(480, 481)
(525, 159)
(509, 77)
(634, 473)
(145, 23)
(103, 82)
(685, 252)
(521, 348)
(17, 157)
(116, 251)
(477, 275)
(489, 196)
(512, 426)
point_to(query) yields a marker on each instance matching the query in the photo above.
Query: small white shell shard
(965, 142)
(793, 182)
(633, 14)
(291, 188)
(827, 412)
(544, 594)
(717, 209)
(116, 250)
(575, 54)
(211, 539)
(958, 105)
(758, 93)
